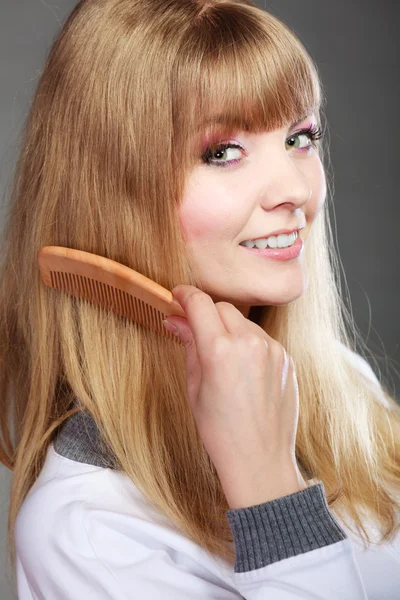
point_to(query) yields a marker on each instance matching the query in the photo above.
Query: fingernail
(170, 327)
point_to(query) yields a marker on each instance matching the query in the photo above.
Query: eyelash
(314, 134)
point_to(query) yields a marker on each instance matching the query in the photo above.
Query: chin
(280, 299)
(288, 293)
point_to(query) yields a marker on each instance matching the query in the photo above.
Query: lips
(279, 254)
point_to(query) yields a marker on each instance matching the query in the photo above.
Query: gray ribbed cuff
(281, 528)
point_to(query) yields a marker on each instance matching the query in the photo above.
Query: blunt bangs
(241, 71)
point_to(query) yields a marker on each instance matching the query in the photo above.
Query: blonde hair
(104, 159)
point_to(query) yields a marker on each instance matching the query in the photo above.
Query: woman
(262, 458)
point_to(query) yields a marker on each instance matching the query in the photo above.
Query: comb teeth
(111, 298)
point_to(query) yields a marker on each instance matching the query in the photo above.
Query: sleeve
(292, 548)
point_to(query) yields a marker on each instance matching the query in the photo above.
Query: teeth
(280, 241)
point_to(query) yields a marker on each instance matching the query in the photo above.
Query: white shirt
(87, 533)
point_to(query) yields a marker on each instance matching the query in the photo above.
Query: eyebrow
(302, 119)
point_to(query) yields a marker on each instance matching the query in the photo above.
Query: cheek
(204, 212)
(195, 223)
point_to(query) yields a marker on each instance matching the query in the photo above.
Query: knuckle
(254, 344)
(220, 347)
(196, 296)
(218, 350)
(224, 306)
(279, 353)
(253, 340)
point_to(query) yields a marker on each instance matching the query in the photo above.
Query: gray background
(356, 47)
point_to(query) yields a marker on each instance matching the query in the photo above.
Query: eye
(228, 154)
(223, 155)
(313, 134)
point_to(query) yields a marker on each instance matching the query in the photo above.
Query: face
(256, 184)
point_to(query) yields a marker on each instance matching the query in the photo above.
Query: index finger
(202, 315)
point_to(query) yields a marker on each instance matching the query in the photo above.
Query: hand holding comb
(110, 285)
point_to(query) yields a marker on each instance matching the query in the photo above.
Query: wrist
(243, 492)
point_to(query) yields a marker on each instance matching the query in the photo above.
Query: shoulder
(365, 369)
(92, 528)
(51, 520)
(358, 362)
(70, 494)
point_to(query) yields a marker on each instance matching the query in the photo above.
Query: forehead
(245, 109)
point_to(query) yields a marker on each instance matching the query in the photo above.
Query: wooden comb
(110, 285)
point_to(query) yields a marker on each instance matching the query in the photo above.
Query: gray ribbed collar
(79, 438)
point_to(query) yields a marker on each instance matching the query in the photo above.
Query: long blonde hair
(104, 158)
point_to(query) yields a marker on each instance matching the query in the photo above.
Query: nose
(284, 184)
